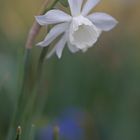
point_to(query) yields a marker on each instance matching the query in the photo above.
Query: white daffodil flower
(79, 31)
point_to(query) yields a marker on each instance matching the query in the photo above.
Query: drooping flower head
(79, 30)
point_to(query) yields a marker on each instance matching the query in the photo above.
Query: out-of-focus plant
(70, 124)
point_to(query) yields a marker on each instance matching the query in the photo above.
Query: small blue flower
(69, 127)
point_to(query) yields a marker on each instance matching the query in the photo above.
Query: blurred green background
(104, 81)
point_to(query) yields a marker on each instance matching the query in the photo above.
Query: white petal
(60, 46)
(53, 17)
(51, 53)
(72, 48)
(103, 21)
(90, 4)
(75, 7)
(53, 34)
(83, 33)
(84, 50)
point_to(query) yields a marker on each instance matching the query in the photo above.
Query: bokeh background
(96, 93)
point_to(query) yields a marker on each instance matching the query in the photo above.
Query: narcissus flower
(79, 31)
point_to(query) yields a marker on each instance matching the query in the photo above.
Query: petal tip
(58, 53)
(40, 44)
(59, 57)
(37, 19)
(114, 25)
(41, 20)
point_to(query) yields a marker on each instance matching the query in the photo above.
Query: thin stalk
(21, 96)
(32, 103)
(22, 100)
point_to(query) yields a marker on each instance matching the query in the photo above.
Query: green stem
(31, 105)
(23, 90)
(23, 74)
(51, 6)
(37, 84)
(21, 106)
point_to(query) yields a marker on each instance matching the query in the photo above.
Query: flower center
(82, 33)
